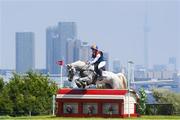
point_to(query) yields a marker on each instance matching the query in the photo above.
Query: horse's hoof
(84, 84)
(79, 85)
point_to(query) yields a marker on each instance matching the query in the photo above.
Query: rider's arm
(95, 59)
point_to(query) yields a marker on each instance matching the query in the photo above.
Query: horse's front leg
(85, 81)
(82, 82)
(78, 83)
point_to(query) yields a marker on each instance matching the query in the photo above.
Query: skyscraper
(84, 52)
(106, 58)
(25, 56)
(56, 43)
(116, 66)
(172, 63)
(77, 45)
(72, 50)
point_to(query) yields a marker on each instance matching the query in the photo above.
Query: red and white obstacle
(95, 103)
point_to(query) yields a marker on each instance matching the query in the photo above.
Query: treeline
(27, 94)
(166, 103)
(164, 96)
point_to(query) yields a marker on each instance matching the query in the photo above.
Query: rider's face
(93, 50)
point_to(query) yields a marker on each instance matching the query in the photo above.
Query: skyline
(123, 31)
(56, 44)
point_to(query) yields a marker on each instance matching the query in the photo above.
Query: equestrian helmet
(94, 47)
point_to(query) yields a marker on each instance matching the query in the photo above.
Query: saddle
(98, 78)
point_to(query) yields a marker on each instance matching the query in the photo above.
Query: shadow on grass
(48, 117)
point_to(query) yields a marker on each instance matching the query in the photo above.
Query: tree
(5, 102)
(1, 84)
(29, 93)
(142, 101)
(41, 89)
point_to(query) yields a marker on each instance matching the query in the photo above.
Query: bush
(164, 96)
(159, 109)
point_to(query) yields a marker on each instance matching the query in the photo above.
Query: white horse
(87, 75)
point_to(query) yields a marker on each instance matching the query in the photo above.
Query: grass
(69, 118)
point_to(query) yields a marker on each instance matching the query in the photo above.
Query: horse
(85, 76)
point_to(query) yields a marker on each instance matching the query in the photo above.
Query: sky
(116, 26)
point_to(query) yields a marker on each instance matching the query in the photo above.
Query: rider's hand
(87, 62)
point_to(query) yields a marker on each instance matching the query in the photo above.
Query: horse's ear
(68, 66)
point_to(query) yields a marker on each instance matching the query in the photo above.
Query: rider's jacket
(97, 57)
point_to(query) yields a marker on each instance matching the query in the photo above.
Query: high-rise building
(70, 51)
(77, 45)
(116, 66)
(106, 58)
(159, 67)
(56, 43)
(172, 63)
(25, 56)
(84, 52)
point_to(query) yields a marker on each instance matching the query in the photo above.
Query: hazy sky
(116, 26)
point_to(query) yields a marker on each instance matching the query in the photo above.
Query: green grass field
(63, 118)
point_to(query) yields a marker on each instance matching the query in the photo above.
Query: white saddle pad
(101, 64)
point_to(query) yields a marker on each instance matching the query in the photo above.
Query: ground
(63, 118)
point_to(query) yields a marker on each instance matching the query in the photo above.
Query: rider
(97, 58)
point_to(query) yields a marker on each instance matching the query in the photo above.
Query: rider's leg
(99, 72)
(96, 67)
(103, 68)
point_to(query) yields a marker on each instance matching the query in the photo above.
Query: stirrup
(100, 77)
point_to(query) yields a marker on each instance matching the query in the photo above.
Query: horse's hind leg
(108, 86)
(103, 86)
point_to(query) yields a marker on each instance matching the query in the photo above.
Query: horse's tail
(136, 95)
(122, 76)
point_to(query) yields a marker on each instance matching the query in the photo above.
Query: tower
(146, 32)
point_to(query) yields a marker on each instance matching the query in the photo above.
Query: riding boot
(95, 79)
(100, 72)
(100, 77)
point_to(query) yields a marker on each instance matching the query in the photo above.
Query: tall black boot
(100, 72)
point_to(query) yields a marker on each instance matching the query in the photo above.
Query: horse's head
(79, 70)
(71, 72)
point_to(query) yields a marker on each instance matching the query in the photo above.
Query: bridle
(71, 72)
